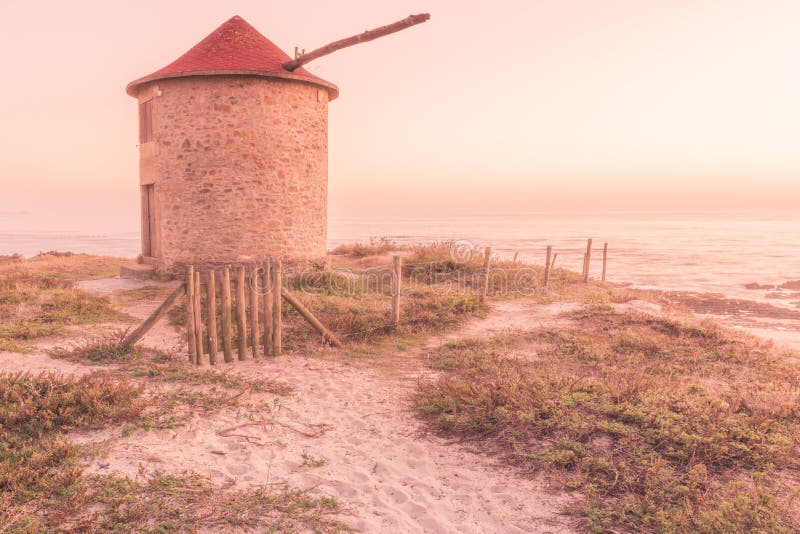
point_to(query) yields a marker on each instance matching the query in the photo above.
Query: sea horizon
(708, 251)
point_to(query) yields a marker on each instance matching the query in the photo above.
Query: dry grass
(43, 487)
(664, 426)
(375, 247)
(37, 298)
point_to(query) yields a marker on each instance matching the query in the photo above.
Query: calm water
(701, 252)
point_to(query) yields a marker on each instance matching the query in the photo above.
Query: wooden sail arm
(369, 35)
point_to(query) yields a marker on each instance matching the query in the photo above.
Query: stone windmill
(233, 145)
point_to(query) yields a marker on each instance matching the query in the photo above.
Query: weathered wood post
(266, 277)
(553, 265)
(397, 276)
(277, 318)
(198, 321)
(132, 338)
(547, 263)
(327, 335)
(227, 327)
(487, 256)
(254, 330)
(211, 312)
(190, 329)
(605, 259)
(587, 261)
(241, 314)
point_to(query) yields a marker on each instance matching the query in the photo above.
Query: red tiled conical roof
(233, 48)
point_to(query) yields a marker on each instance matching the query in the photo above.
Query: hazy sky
(504, 105)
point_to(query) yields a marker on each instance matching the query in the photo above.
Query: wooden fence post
(241, 314)
(397, 277)
(198, 321)
(313, 321)
(553, 265)
(487, 255)
(227, 327)
(547, 266)
(277, 319)
(254, 331)
(267, 283)
(190, 312)
(605, 260)
(132, 338)
(211, 312)
(587, 261)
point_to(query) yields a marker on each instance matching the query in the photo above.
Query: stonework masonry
(239, 169)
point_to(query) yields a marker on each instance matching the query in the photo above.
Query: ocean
(703, 252)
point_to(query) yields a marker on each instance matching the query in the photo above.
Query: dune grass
(43, 486)
(376, 246)
(663, 426)
(37, 297)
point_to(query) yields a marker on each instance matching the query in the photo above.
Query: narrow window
(146, 122)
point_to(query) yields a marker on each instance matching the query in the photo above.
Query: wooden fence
(241, 307)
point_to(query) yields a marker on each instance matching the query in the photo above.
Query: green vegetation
(664, 426)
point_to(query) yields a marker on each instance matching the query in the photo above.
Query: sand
(349, 431)
(377, 461)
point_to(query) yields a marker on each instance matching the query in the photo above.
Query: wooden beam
(211, 315)
(132, 338)
(547, 263)
(397, 277)
(198, 321)
(227, 327)
(266, 277)
(588, 261)
(241, 314)
(308, 316)
(190, 312)
(277, 310)
(368, 35)
(254, 336)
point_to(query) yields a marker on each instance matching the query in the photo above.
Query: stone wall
(240, 167)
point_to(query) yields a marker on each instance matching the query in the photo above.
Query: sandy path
(390, 476)
(360, 423)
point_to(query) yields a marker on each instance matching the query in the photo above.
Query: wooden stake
(487, 255)
(227, 327)
(588, 260)
(132, 338)
(356, 39)
(211, 312)
(254, 335)
(241, 314)
(198, 321)
(547, 263)
(277, 319)
(553, 265)
(190, 312)
(605, 259)
(397, 277)
(267, 283)
(308, 316)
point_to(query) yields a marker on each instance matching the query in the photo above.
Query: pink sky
(529, 105)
